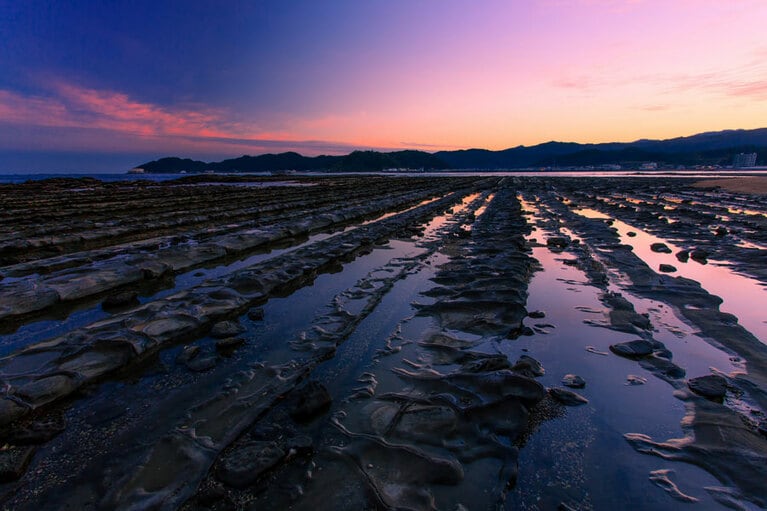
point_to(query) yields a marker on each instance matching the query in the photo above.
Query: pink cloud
(72, 106)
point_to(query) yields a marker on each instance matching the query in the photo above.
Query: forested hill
(713, 148)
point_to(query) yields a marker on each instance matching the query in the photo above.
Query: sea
(113, 177)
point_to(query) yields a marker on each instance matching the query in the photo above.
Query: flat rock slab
(661, 248)
(667, 268)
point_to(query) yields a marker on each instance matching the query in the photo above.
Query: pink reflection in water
(740, 294)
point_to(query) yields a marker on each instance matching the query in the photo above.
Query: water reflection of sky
(738, 292)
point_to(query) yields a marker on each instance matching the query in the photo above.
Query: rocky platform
(380, 343)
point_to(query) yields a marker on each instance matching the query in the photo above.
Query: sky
(105, 85)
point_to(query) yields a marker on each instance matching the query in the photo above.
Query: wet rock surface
(390, 361)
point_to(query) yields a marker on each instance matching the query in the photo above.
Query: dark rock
(662, 366)
(244, 466)
(536, 314)
(528, 366)
(309, 401)
(46, 389)
(699, 256)
(570, 262)
(661, 248)
(10, 411)
(631, 234)
(633, 349)
(574, 381)
(14, 461)
(118, 300)
(256, 314)
(711, 386)
(720, 231)
(224, 329)
(667, 268)
(559, 242)
(567, 397)
(487, 363)
(683, 256)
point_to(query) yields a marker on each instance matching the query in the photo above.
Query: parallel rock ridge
(358, 342)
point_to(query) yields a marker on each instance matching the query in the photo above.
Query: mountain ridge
(707, 148)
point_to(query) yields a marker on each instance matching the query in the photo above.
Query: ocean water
(21, 178)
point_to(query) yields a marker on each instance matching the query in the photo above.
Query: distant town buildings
(744, 160)
(649, 166)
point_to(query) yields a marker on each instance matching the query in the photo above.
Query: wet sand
(750, 185)
(366, 343)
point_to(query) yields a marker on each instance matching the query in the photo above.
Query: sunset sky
(105, 85)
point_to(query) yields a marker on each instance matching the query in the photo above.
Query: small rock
(633, 349)
(573, 381)
(14, 461)
(699, 256)
(309, 401)
(720, 231)
(256, 313)
(633, 379)
(567, 397)
(244, 466)
(224, 329)
(559, 242)
(711, 386)
(631, 234)
(570, 262)
(537, 314)
(123, 299)
(528, 366)
(660, 248)
(667, 268)
(683, 256)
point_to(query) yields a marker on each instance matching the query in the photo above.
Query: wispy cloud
(77, 109)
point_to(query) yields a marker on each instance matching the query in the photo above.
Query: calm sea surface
(20, 178)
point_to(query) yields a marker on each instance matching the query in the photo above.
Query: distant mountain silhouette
(711, 148)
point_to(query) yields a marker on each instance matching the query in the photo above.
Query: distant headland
(711, 149)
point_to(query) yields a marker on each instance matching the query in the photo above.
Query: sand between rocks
(756, 185)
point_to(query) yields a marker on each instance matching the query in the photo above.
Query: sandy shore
(756, 185)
